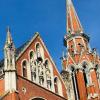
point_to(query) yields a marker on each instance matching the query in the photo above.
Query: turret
(9, 63)
(81, 64)
(75, 39)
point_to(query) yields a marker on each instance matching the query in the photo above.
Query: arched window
(86, 73)
(33, 65)
(31, 54)
(48, 78)
(58, 86)
(41, 72)
(74, 81)
(33, 71)
(46, 64)
(85, 76)
(39, 51)
(24, 68)
(48, 74)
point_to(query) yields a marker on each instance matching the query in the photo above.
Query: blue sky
(48, 17)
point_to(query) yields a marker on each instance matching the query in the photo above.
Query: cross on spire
(73, 22)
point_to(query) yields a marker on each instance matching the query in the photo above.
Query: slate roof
(19, 49)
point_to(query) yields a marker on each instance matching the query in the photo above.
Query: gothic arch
(32, 54)
(39, 49)
(73, 87)
(49, 73)
(86, 72)
(58, 86)
(32, 65)
(24, 65)
(49, 64)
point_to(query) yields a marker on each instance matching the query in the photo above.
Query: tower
(79, 64)
(9, 63)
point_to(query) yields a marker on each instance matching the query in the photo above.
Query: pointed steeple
(9, 63)
(9, 42)
(73, 22)
(9, 38)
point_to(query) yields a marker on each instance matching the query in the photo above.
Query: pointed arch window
(32, 66)
(74, 81)
(24, 68)
(46, 64)
(41, 72)
(31, 54)
(38, 50)
(87, 74)
(56, 85)
(48, 74)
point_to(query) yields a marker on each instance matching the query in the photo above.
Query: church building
(29, 72)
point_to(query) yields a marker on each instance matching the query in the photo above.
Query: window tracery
(58, 86)
(32, 66)
(41, 70)
(48, 74)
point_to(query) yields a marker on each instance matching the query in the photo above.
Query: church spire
(9, 41)
(73, 22)
(9, 38)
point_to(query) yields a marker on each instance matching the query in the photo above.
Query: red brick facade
(81, 65)
(31, 74)
(26, 88)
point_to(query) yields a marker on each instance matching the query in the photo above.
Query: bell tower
(78, 64)
(9, 63)
(76, 41)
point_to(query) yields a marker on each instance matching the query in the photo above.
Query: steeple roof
(9, 38)
(9, 42)
(73, 22)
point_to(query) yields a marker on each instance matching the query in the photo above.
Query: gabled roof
(22, 48)
(19, 49)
